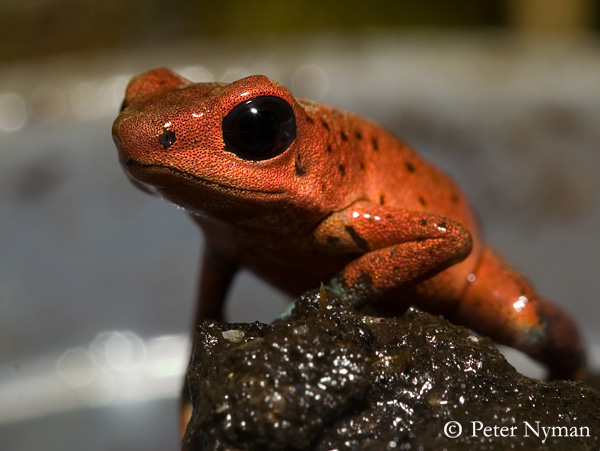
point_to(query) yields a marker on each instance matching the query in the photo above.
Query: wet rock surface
(328, 377)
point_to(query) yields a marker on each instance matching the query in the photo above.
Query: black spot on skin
(332, 239)
(454, 198)
(358, 135)
(310, 119)
(329, 148)
(375, 144)
(443, 225)
(325, 124)
(359, 240)
(423, 222)
(323, 188)
(342, 169)
(362, 166)
(410, 167)
(344, 136)
(297, 165)
(422, 201)
(382, 200)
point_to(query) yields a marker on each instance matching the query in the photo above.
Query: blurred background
(97, 279)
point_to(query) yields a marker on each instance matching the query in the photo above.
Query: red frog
(299, 192)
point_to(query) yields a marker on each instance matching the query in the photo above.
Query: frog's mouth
(155, 178)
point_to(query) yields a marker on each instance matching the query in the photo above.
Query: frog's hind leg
(396, 248)
(500, 303)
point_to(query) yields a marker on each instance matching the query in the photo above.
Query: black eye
(167, 138)
(260, 128)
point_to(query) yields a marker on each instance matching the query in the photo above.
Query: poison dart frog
(299, 192)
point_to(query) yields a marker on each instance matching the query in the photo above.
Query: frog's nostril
(167, 138)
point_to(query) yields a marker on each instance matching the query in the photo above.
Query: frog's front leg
(216, 274)
(501, 304)
(399, 248)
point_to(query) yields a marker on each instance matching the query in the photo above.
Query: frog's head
(208, 147)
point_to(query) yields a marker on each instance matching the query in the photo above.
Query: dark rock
(328, 377)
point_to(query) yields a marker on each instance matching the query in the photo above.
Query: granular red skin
(347, 203)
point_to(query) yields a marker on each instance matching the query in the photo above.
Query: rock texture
(328, 377)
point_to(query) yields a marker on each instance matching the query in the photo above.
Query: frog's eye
(259, 128)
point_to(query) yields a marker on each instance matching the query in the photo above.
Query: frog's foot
(399, 248)
(501, 304)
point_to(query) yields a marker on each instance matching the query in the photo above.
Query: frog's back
(380, 167)
(400, 178)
